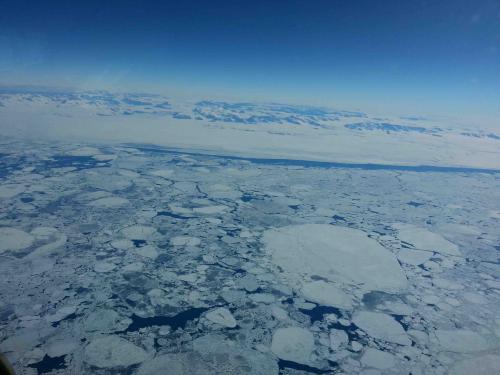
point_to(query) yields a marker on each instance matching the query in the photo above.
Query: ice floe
(13, 239)
(294, 344)
(460, 341)
(488, 364)
(138, 232)
(377, 359)
(10, 190)
(221, 316)
(113, 351)
(109, 202)
(338, 254)
(210, 210)
(326, 294)
(424, 239)
(238, 266)
(381, 326)
(185, 241)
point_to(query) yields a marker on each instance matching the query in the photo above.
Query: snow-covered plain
(132, 259)
(258, 130)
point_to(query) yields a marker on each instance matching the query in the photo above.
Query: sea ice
(102, 267)
(11, 190)
(14, 239)
(109, 202)
(461, 341)
(165, 173)
(210, 210)
(148, 251)
(326, 294)
(60, 314)
(105, 320)
(113, 351)
(338, 338)
(414, 257)
(488, 364)
(84, 151)
(138, 232)
(381, 326)
(221, 316)
(293, 344)
(377, 359)
(424, 239)
(335, 253)
(185, 241)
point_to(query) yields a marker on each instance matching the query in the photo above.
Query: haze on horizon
(439, 58)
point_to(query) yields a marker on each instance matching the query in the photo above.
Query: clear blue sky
(420, 56)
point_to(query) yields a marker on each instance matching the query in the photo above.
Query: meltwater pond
(136, 260)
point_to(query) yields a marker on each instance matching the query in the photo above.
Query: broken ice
(128, 259)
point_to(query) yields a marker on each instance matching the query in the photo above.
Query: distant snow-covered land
(260, 130)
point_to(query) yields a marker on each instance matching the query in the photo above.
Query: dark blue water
(48, 364)
(139, 243)
(318, 312)
(177, 321)
(78, 162)
(69, 317)
(282, 364)
(415, 204)
(170, 214)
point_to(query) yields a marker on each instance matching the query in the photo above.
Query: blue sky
(413, 56)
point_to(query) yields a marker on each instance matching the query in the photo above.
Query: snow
(293, 344)
(424, 239)
(337, 254)
(381, 326)
(221, 316)
(13, 239)
(332, 142)
(113, 351)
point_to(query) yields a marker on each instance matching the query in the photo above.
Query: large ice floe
(132, 259)
(337, 254)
